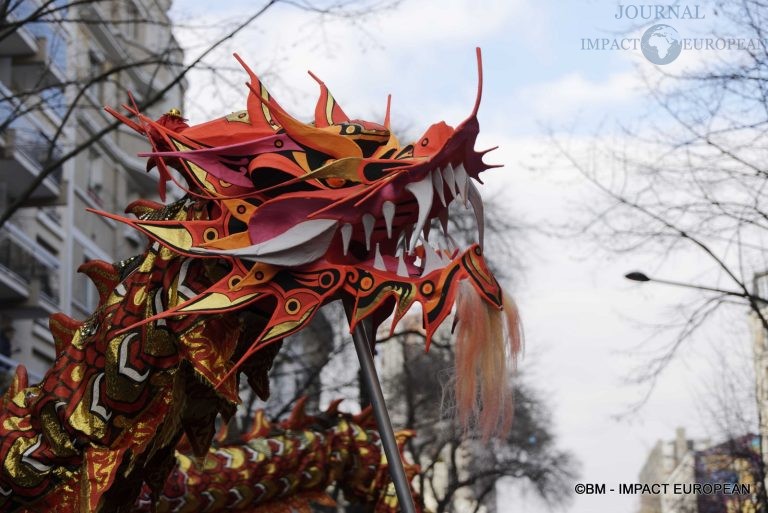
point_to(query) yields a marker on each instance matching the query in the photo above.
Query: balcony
(23, 156)
(40, 70)
(28, 275)
(38, 47)
(21, 42)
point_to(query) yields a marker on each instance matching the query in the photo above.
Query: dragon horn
(327, 111)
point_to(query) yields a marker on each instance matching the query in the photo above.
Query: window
(95, 70)
(95, 184)
(132, 21)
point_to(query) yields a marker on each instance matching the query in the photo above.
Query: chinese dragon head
(279, 218)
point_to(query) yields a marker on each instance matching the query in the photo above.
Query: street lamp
(642, 277)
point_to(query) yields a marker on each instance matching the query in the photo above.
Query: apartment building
(60, 64)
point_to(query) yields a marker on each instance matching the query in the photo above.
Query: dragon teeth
(452, 246)
(450, 179)
(444, 221)
(424, 193)
(462, 180)
(477, 207)
(388, 209)
(401, 242)
(402, 270)
(378, 261)
(432, 260)
(346, 236)
(437, 181)
(368, 222)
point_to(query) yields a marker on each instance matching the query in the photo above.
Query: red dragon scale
(282, 469)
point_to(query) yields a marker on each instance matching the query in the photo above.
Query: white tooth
(388, 209)
(346, 236)
(424, 193)
(451, 243)
(402, 270)
(401, 242)
(378, 261)
(462, 180)
(477, 206)
(432, 260)
(437, 181)
(368, 222)
(450, 180)
(444, 220)
(407, 231)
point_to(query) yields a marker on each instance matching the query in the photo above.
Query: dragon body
(283, 468)
(279, 218)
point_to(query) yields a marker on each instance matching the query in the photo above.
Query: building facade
(682, 465)
(760, 358)
(60, 65)
(668, 460)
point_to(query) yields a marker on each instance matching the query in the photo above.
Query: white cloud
(421, 52)
(573, 93)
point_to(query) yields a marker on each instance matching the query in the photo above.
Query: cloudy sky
(584, 323)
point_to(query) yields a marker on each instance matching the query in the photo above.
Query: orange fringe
(487, 345)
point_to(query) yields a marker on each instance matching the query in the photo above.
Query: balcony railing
(26, 151)
(29, 263)
(45, 29)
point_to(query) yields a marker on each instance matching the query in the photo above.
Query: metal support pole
(361, 336)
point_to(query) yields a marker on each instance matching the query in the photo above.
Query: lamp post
(754, 301)
(642, 277)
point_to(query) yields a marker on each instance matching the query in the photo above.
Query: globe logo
(661, 44)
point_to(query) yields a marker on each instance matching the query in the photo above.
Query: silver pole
(361, 336)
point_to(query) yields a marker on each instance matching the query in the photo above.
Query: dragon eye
(335, 183)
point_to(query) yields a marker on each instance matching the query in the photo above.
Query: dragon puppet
(279, 218)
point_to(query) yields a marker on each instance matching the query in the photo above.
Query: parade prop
(279, 217)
